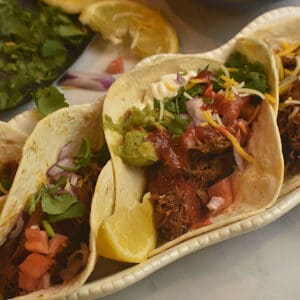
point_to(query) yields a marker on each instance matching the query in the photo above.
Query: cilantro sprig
(252, 73)
(37, 43)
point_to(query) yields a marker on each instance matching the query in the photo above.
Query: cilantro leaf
(75, 211)
(49, 99)
(84, 156)
(177, 125)
(57, 204)
(252, 73)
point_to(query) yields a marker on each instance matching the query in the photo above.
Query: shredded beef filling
(289, 126)
(180, 195)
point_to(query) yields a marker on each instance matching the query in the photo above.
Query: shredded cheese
(252, 118)
(161, 109)
(271, 99)
(228, 82)
(294, 112)
(286, 84)
(225, 70)
(170, 87)
(207, 115)
(127, 14)
(3, 189)
(287, 72)
(289, 49)
(250, 92)
(188, 95)
(280, 67)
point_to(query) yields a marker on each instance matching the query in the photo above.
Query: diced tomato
(36, 240)
(222, 189)
(57, 244)
(116, 66)
(27, 283)
(35, 265)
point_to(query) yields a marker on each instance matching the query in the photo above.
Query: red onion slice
(88, 81)
(194, 109)
(18, 227)
(179, 78)
(66, 151)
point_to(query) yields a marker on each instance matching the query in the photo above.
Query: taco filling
(288, 58)
(7, 174)
(50, 241)
(191, 137)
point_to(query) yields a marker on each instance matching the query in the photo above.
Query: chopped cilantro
(57, 204)
(37, 43)
(49, 229)
(177, 125)
(49, 99)
(77, 210)
(252, 74)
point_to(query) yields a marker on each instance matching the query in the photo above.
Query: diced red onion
(74, 179)
(194, 109)
(54, 171)
(88, 81)
(18, 227)
(184, 116)
(66, 151)
(216, 204)
(179, 78)
(44, 282)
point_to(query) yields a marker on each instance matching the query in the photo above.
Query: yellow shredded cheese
(280, 67)
(270, 98)
(285, 86)
(289, 49)
(3, 189)
(252, 118)
(170, 87)
(287, 72)
(228, 82)
(193, 82)
(230, 69)
(80, 183)
(224, 131)
(203, 124)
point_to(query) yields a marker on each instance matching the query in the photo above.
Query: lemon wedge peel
(129, 234)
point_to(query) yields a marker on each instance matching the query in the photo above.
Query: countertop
(263, 264)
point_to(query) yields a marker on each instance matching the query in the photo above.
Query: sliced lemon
(70, 6)
(129, 234)
(122, 20)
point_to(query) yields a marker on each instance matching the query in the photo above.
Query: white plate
(101, 284)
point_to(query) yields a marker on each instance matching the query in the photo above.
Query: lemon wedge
(129, 234)
(70, 6)
(124, 20)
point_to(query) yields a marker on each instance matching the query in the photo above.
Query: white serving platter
(101, 284)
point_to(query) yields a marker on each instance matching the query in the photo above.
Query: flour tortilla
(255, 189)
(39, 153)
(11, 144)
(286, 29)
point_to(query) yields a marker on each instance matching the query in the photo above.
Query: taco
(283, 37)
(200, 136)
(11, 144)
(48, 224)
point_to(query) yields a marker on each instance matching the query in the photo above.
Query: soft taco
(283, 37)
(11, 144)
(200, 136)
(48, 223)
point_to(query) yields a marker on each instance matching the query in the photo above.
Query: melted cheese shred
(233, 140)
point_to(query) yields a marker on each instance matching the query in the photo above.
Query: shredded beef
(290, 137)
(170, 217)
(289, 62)
(289, 128)
(210, 169)
(206, 140)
